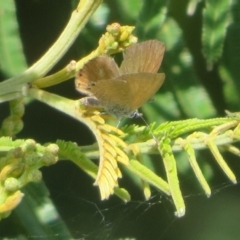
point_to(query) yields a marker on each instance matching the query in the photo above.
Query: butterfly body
(121, 91)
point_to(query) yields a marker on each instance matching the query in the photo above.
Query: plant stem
(77, 21)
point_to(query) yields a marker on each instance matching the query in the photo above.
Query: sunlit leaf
(12, 59)
(192, 98)
(230, 70)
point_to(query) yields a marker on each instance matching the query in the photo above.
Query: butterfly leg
(90, 101)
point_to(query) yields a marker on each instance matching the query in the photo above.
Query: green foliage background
(202, 70)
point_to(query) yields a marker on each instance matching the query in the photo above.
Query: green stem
(64, 74)
(77, 21)
(60, 103)
(172, 177)
(10, 96)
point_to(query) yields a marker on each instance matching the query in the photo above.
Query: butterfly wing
(124, 94)
(111, 91)
(142, 86)
(143, 57)
(123, 91)
(97, 69)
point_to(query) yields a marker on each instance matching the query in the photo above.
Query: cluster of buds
(13, 124)
(20, 166)
(116, 39)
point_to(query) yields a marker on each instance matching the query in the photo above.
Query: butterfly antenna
(151, 132)
(136, 114)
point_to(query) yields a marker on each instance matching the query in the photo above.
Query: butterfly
(122, 90)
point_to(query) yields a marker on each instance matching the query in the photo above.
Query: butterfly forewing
(142, 86)
(128, 92)
(113, 95)
(97, 69)
(143, 57)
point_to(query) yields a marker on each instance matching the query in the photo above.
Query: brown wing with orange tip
(99, 68)
(143, 57)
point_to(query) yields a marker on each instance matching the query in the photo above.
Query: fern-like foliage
(216, 19)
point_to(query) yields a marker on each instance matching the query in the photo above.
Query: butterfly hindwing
(97, 69)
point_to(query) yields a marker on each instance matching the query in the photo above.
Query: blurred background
(201, 64)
